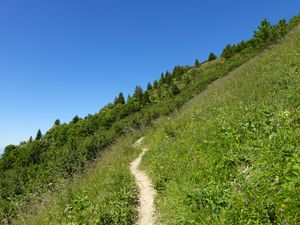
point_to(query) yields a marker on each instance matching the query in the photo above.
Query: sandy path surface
(146, 191)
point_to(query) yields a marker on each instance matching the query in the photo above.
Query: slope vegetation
(232, 156)
(78, 173)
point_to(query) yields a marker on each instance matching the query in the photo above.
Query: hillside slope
(232, 156)
(78, 172)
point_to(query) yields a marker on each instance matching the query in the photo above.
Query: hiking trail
(146, 207)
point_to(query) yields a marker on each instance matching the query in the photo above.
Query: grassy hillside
(232, 155)
(104, 194)
(31, 173)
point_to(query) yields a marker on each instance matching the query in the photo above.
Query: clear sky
(59, 58)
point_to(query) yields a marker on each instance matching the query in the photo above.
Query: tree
(281, 28)
(155, 84)
(162, 79)
(264, 35)
(7, 151)
(146, 98)
(227, 52)
(168, 78)
(75, 119)
(174, 89)
(120, 99)
(211, 57)
(178, 71)
(197, 63)
(57, 122)
(38, 135)
(30, 139)
(128, 97)
(149, 86)
(138, 93)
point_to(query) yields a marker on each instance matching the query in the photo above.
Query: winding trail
(146, 207)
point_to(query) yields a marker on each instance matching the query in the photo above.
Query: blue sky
(59, 58)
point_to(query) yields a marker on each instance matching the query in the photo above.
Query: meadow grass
(104, 194)
(232, 155)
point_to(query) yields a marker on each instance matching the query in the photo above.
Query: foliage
(174, 89)
(232, 155)
(105, 194)
(197, 63)
(38, 135)
(211, 57)
(149, 86)
(120, 99)
(265, 35)
(57, 122)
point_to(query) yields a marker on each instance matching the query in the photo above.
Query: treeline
(28, 169)
(266, 35)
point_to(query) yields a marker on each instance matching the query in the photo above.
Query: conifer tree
(212, 57)
(265, 34)
(162, 79)
(155, 84)
(57, 122)
(146, 98)
(197, 63)
(138, 93)
(120, 99)
(30, 139)
(281, 28)
(38, 135)
(149, 86)
(75, 119)
(168, 78)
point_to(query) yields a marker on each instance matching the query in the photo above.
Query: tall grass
(104, 194)
(232, 156)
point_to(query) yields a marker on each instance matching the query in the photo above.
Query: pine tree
(168, 78)
(75, 119)
(120, 99)
(197, 63)
(264, 35)
(138, 93)
(162, 79)
(38, 135)
(149, 86)
(57, 122)
(155, 84)
(30, 139)
(282, 28)
(146, 98)
(212, 57)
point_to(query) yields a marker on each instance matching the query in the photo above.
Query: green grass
(104, 194)
(232, 156)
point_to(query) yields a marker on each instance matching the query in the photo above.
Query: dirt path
(146, 190)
